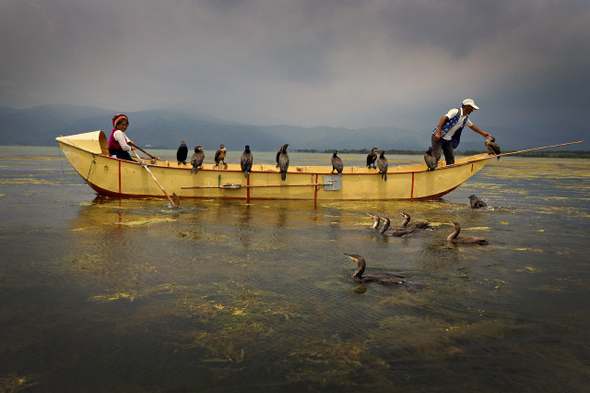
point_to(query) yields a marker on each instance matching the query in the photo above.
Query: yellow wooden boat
(88, 154)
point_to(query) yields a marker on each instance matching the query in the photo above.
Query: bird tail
(384, 176)
(246, 173)
(195, 170)
(283, 176)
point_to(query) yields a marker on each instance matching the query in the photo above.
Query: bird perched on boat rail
(379, 277)
(337, 164)
(372, 158)
(492, 146)
(246, 161)
(382, 164)
(283, 161)
(476, 203)
(430, 159)
(197, 159)
(453, 237)
(220, 155)
(182, 153)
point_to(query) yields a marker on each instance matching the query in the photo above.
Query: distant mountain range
(39, 126)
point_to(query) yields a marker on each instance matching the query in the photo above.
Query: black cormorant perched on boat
(197, 159)
(396, 231)
(337, 164)
(476, 203)
(416, 224)
(283, 161)
(246, 161)
(492, 146)
(376, 220)
(372, 158)
(430, 159)
(382, 164)
(182, 153)
(379, 277)
(453, 237)
(220, 155)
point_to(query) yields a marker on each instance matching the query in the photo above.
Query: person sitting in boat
(447, 134)
(119, 144)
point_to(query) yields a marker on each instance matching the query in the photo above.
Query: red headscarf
(118, 117)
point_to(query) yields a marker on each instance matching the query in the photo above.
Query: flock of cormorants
(404, 229)
(374, 160)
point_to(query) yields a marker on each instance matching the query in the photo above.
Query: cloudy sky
(351, 63)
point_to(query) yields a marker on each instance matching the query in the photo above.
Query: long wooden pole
(235, 186)
(537, 148)
(154, 157)
(175, 200)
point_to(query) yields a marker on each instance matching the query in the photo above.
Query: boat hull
(110, 176)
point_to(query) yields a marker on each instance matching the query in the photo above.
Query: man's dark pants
(443, 146)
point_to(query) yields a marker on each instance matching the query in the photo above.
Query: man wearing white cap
(447, 134)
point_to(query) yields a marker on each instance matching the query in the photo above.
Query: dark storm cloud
(305, 62)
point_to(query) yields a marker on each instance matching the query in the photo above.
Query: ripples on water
(101, 294)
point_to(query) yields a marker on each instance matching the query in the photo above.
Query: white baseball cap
(470, 102)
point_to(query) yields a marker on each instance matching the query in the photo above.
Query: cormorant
(337, 164)
(197, 159)
(452, 238)
(397, 231)
(376, 220)
(416, 224)
(283, 161)
(476, 203)
(279, 154)
(182, 153)
(382, 164)
(220, 155)
(492, 146)
(379, 277)
(246, 161)
(371, 158)
(430, 159)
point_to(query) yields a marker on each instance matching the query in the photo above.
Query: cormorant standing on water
(430, 159)
(197, 159)
(371, 158)
(382, 164)
(283, 161)
(337, 164)
(376, 220)
(182, 153)
(220, 155)
(416, 224)
(246, 161)
(453, 237)
(492, 146)
(397, 231)
(379, 277)
(476, 203)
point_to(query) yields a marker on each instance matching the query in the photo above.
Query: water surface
(100, 294)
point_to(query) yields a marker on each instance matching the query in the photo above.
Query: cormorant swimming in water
(220, 155)
(379, 277)
(397, 231)
(246, 161)
(283, 161)
(382, 164)
(476, 203)
(492, 146)
(371, 158)
(452, 238)
(430, 159)
(182, 153)
(376, 220)
(337, 164)
(197, 159)
(416, 224)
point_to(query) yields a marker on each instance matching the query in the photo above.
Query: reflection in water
(131, 295)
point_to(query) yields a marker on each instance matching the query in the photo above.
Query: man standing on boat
(447, 134)
(119, 144)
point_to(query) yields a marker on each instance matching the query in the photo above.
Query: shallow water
(101, 294)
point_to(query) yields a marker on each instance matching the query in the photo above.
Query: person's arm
(441, 123)
(482, 133)
(124, 141)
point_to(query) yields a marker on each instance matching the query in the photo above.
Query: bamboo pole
(174, 200)
(536, 148)
(235, 186)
